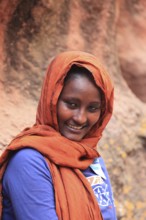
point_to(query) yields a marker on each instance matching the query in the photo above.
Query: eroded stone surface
(131, 40)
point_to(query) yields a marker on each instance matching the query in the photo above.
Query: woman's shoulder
(26, 155)
(27, 160)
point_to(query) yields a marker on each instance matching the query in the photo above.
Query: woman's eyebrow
(94, 102)
(71, 99)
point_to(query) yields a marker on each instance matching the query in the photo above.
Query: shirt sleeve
(28, 184)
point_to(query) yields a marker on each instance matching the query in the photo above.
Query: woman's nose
(80, 117)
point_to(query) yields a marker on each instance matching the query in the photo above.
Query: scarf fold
(74, 197)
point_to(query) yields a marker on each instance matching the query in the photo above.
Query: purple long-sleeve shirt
(28, 189)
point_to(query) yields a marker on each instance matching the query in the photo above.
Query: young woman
(53, 170)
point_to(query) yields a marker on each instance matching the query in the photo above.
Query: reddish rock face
(131, 41)
(31, 32)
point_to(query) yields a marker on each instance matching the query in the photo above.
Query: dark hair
(79, 71)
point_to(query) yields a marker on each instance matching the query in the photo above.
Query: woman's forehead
(81, 87)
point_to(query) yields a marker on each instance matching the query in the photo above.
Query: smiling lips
(75, 127)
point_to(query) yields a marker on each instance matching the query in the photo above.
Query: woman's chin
(73, 137)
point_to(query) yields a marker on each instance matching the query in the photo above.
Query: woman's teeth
(76, 127)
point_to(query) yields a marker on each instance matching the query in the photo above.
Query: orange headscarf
(73, 195)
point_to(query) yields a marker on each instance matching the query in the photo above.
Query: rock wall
(32, 32)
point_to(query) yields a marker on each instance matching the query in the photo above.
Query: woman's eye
(71, 105)
(94, 108)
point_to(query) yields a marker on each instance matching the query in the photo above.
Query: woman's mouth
(75, 127)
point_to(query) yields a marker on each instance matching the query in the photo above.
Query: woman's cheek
(95, 118)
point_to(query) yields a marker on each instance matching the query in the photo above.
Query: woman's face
(78, 108)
